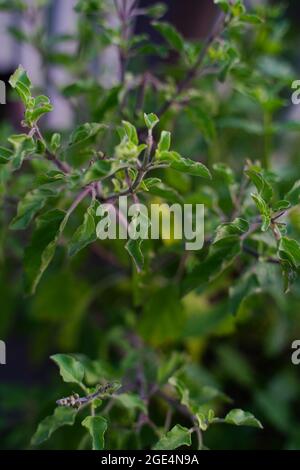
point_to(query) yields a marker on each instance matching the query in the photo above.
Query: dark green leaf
(62, 416)
(177, 437)
(242, 418)
(97, 426)
(70, 369)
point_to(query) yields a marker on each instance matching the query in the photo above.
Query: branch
(62, 166)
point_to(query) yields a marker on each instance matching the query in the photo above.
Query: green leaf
(131, 401)
(171, 35)
(282, 205)
(70, 369)
(86, 232)
(23, 146)
(263, 187)
(97, 426)
(219, 259)
(293, 196)
(238, 293)
(231, 230)
(264, 210)
(156, 11)
(177, 437)
(85, 132)
(223, 4)
(205, 420)
(171, 316)
(251, 19)
(290, 249)
(20, 81)
(225, 173)
(27, 209)
(204, 122)
(151, 120)
(185, 165)
(41, 249)
(163, 191)
(96, 171)
(134, 249)
(62, 416)
(242, 418)
(130, 132)
(55, 142)
(164, 142)
(5, 155)
(36, 108)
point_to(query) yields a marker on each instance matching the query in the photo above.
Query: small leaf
(232, 229)
(20, 81)
(223, 4)
(171, 35)
(41, 249)
(264, 210)
(250, 18)
(85, 234)
(185, 165)
(242, 418)
(282, 205)
(97, 426)
(225, 173)
(293, 196)
(177, 437)
(151, 120)
(55, 142)
(263, 187)
(70, 369)
(164, 142)
(96, 171)
(163, 191)
(131, 401)
(62, 416)
(23, 146)
(156, 11)
(85, 131)
(5, 155)
(238, 293)
(27, 209)
(130, 132)
(290, 249)
(134, 249)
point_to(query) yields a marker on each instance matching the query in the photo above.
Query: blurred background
(250, 360)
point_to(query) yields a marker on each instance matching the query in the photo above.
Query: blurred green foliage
(193, 338)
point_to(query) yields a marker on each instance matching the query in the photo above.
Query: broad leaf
(97, 426)
(134, 249)
(177, 437)
(131, 401)
(28, 208)
(185, 165)
(290, 249)
(70, 369)
(171, 35)
(242, 418)
(41, 249)
(151, 120)
(86, 232)
(62, 416)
